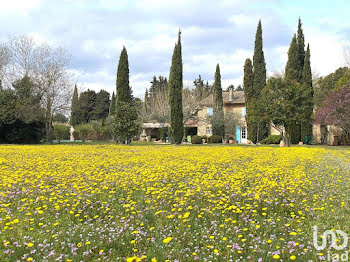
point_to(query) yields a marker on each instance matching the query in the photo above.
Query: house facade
(233, 102)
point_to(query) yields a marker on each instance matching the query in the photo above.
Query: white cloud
(326, 49)
(19, 6)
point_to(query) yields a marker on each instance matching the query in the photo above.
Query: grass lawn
(90, 202)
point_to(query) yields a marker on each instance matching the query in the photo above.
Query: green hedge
(215, 139)
(61, 132)
(196, 140)
(272, 139)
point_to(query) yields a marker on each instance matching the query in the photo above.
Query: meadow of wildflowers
(169, 203)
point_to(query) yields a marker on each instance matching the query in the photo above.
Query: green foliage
(343, 81)
(259, 65)
(248, 80)
(60, 118)
(61, 132)
(102, 104)
(292, 70)
(176, 130)
(81, 132)
(201, 90)
(126, 123)
(218, 121)
(214, 139)
(324, 85)
(256, 129)
(196, 140)
(282, 101)
(301, 49)
(87, 102)
(76, 114)
(307, 101)
(231, 121)
(124, 93)
(21, 116)
(272, 139)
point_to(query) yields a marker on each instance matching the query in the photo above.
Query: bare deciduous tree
(46, 67)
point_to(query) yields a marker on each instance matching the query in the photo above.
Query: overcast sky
(221, 31)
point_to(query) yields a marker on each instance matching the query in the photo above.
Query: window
(209, 111)
(209, 131)
(243, 111)
(244, 132)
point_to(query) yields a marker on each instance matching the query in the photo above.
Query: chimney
(230, 98)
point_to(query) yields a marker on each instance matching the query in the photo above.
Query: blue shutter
(243, 111)
(209, 111)
(238, 134)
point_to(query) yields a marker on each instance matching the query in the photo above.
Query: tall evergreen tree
(307, 103)
(102, 103)
(248, 80)
(112, 106)
(292, 68)
(259, 65)
(146, 101)
(123, 88)
(175, 95)
(75, 116)
(292, 74)
(259, 130)
(301, 50)
(126, 123)
(218, 116)
(87, 100)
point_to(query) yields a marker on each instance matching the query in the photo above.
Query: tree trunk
(257, 134)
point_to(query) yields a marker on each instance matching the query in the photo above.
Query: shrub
(230, 138)
(61, 132)
(215, 139)
(272, 139)
(83, 131)
(196, 140)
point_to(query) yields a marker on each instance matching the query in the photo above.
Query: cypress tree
(259, 82)
(112, 106)
(301, 50)
(248, 95)
(259, 65)
(307, 103)
(175, 95)
(123, 88)
(248, 79)
(75, 116)
(292, 67)
(218, 116)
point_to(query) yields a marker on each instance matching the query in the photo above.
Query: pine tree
(307, 103)
(175, 95)
(123, 88)
(75, 117)
(218, 116)
(112, 106)
(301, 50)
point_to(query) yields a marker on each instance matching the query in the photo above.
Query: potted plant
(231, 140)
